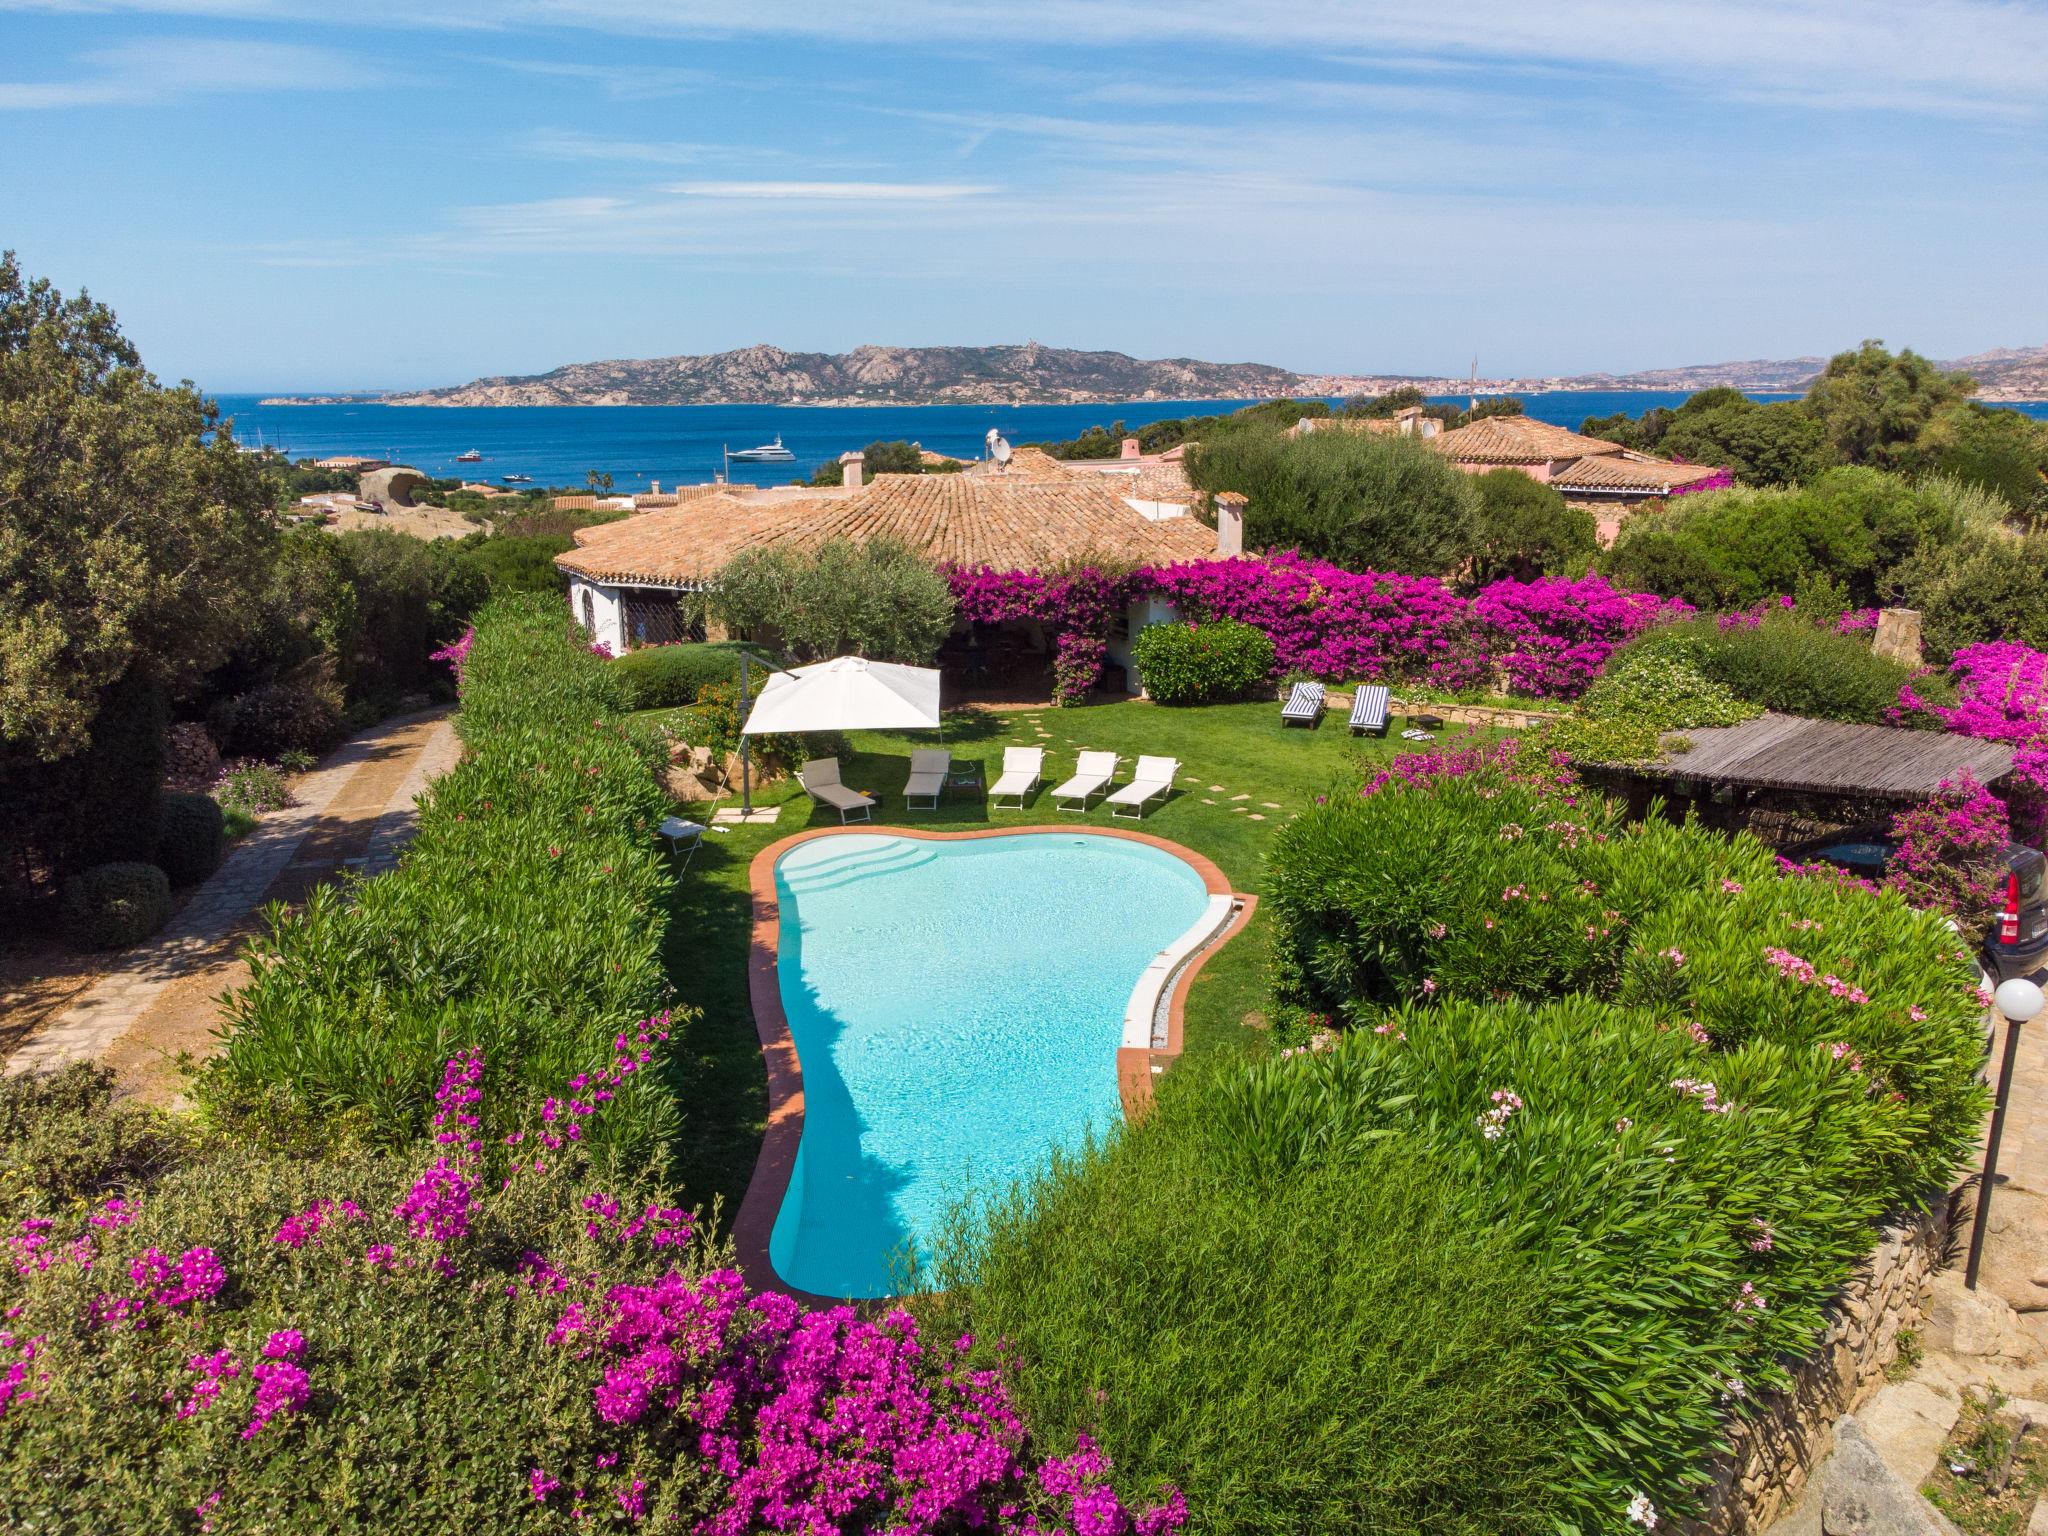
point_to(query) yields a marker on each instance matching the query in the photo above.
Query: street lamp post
(2019, 1001)
(746, 763)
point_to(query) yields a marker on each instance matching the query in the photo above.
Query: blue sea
(682, 444)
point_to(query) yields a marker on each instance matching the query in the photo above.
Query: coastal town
(834, 923)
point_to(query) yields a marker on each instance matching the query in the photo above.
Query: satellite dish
(998, 448)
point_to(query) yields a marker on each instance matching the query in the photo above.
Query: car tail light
(2009, 919)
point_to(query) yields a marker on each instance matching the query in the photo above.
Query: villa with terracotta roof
(630, 581)
(1604, 478)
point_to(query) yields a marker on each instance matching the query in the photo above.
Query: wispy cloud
(1963, 57)
(615, 82)
(832, 191)
(144, 73)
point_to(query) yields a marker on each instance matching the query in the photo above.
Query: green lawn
(1242, 747)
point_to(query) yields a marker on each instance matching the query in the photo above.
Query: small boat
(471, 457)
(517, 479)
(767, 453)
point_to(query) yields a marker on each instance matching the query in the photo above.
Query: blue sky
(312, 193)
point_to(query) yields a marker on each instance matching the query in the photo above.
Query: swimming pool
(957, 1008)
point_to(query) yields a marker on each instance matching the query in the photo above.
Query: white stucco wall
(1147, 610)
(607, 620)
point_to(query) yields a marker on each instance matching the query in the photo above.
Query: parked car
(2017, 944)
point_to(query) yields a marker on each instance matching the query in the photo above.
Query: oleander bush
(1209, 663)
(191, 836)
(111, 906)
(525, 917)
(671, 676)
(505, 1334)
(1329, 1344)
(1664, 1089)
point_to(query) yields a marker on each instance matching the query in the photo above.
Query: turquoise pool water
(957, 1008)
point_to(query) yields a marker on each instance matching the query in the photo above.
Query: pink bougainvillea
(2001, 695)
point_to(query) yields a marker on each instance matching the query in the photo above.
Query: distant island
(1032, 374)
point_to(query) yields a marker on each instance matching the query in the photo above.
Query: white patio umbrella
(848, 693)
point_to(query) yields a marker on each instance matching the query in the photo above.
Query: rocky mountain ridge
(1033, 374)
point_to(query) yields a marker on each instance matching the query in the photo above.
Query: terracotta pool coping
(1135, 1068)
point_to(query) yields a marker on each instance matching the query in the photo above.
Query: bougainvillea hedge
(1547, 637)
(525, 917)
(475, 1333)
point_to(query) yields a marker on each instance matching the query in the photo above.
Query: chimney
(1229, 524)
(657, 489)
(1898, 635)
(1131, 448)
(852, 464)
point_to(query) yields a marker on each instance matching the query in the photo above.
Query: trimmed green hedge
(191, 835)
(1202, 663)
(671, 676)
(1790, 664)
(112, 906)
(525, 918)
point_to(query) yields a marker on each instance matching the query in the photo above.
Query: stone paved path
(160, 1001)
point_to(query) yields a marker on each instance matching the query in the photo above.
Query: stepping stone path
(1238, 809)
(1240, 797)
(1207, 801)
(1216, 789)
(1271, 805)
(1258, 815)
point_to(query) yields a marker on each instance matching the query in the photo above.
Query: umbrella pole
(746, 763)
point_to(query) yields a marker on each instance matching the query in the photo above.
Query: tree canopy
(127, 517)
(1526, 530)
(1873, 406)
(878, 599)
(1366, 501)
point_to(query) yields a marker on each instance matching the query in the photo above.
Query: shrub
(1202, 663)
(1979, 589)
(190, 837)
(512, 1343)
(303, 713)
(512, 563)
(1686, 1084)
(251, 788)
(1643, 693)
(106, 795)
(1781, 661)
(714, 721)
(111, 906)
(670, 676)
(878, 599)
(1526, 530)
(1336, 1344)
(1729, 549)
(525, 917)
(1357, 499)
(411, 594)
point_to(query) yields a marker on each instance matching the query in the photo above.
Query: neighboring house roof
(1629, 472)
(1785, 752)
(1008, 522)
(1516, 440)
(1148, 479)
(1025, 464)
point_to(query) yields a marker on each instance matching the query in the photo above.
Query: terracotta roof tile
(1618, 472)
(1010, 522)
(1516, 440)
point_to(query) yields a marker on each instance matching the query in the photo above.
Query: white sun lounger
(820, 779)
(1023, 770)
(1092, 773)
(1152, 778)
(928, 770)
(1304, 705)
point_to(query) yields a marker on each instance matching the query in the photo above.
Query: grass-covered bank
(1670, 1089)
(1243, 747)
